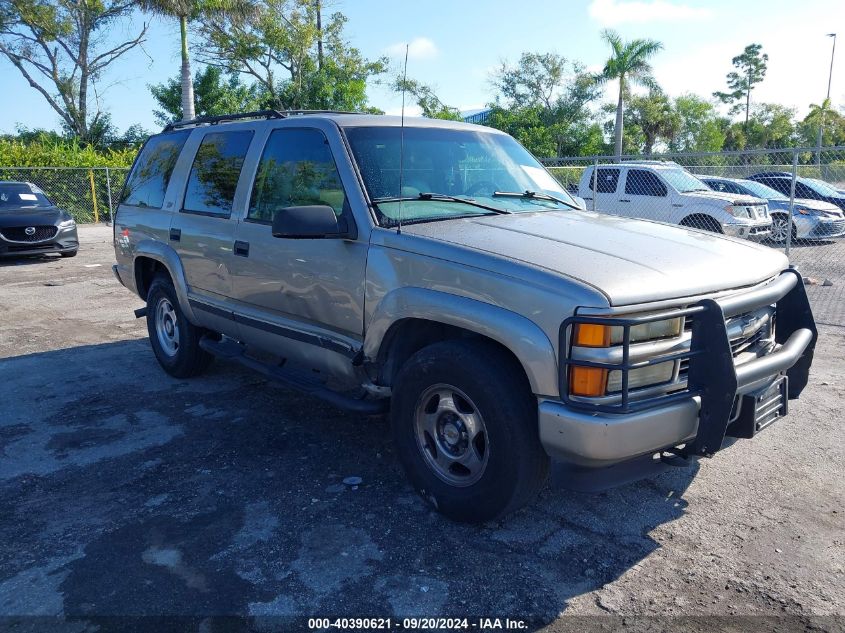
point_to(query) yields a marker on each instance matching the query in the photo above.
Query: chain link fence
(89, 194)
(789, 199)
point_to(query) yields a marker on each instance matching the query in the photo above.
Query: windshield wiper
(533, 195)
(441, 197)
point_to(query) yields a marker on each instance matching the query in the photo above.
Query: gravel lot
(126, 492)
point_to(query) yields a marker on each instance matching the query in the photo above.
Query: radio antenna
(402, 140)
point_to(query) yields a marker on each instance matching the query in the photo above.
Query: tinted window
(148, 181)
(779, 184)
(606, 180)
(215, 172)
(643, 183)
(14, 195)
(803, 191)
(727, 187)
(296, 169)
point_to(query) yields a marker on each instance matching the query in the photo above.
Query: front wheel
(780, 229)
(174, 339)
(465, 427)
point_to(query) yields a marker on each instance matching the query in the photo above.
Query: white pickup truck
(664, 191)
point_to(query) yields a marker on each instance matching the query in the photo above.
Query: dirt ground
(124, 492)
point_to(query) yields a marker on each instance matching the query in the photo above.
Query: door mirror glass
(306, 222)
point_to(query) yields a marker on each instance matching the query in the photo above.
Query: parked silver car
(811, 219)
(438, 271)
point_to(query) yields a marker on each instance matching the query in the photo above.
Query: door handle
(175, 234)
(624, 200)
(241, 248)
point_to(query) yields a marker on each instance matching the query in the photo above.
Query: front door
(300, 286)
(645, 196)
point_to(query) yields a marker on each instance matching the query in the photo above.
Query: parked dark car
(30, 224)
(812, 219)
(808, 188)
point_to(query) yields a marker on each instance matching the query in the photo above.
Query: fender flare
(524, 338)
(169, 258)
(701, 209)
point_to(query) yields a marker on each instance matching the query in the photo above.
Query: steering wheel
(482, 186)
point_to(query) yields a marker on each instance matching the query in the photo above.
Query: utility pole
(827, 101)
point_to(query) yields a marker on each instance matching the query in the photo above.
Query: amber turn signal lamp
(592, 335)
(587, 381)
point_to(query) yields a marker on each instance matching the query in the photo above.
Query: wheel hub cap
(167, 327)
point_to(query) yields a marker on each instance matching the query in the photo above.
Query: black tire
(69, 253)
(516, 464)
(703, 222)
(186, 358)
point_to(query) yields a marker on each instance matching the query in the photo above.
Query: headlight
(66, 224)
(642, 376)
(737, 211)
(593, 335)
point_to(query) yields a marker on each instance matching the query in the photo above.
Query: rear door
(203, 230)
(645, 195)
(607, 182)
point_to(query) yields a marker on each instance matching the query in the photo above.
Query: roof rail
(257, 114)
(222, 118)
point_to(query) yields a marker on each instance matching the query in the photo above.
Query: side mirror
(306, 222)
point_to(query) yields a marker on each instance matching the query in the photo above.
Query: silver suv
(437, 271)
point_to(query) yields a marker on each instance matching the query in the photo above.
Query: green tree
(699, 128)
(834, 125)
(60, 48)
(298, 64)
(629, 63)
(654, 115)
(213, 94)
(425, 97)
(771, 126)
(751, 66)
(542, 101)
(186, 11)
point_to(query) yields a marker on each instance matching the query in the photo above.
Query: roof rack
(257, 114)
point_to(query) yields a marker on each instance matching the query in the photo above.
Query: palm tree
(629, 63)
(185, 11)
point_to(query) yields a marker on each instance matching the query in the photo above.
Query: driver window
(296, 169)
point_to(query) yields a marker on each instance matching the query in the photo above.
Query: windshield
(468, 164)
(762, 191)
(14, 195)
(820, 186)
(683, 181)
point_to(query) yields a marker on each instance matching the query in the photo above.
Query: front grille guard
(711, 375)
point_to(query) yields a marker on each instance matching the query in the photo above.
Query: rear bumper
(711, 407)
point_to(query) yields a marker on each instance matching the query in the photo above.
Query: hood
(24, 216)
(809, 203)
(629, 261)
(728, 198)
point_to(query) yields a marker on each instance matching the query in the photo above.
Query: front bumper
(710, 408)
(65, 241)
(824, 229)
(756, 231)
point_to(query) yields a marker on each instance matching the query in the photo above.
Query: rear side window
(606, 181)
(148, 181)
(643, 183)
(215, 172)
(296, 169)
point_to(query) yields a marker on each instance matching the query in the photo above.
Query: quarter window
(150, 176)
(296, 169)
(643, 183)
(215, 172)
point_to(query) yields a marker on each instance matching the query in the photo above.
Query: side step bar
(231, 350)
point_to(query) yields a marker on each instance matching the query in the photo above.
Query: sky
(454, 47)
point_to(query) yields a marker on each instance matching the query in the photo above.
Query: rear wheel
(465, 427)
(174, 339)
(780, 228)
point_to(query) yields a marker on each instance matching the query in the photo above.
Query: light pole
(827, 101)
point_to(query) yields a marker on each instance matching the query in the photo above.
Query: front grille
(739, 344)
(830, 228)
(19, 234)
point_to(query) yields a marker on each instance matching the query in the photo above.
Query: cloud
(418, 48)
(614, 12)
